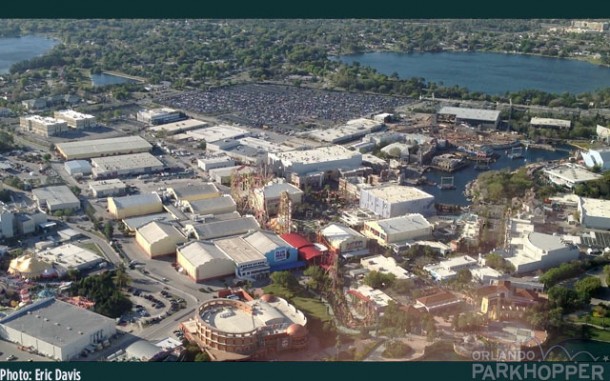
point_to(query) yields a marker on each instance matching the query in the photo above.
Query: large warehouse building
(249, 262)
(396, 200)
(345, 241)
(159, 238)
(159, 116)
(594, 213)
(318, 163)
(268, 197)
(107, 188)
(87, 149)
(471, 116)
(538, 251)
(178, 127)
(58, 197)
(137, 205)
(204, 261)
(125, 165)
(56, 329)
(76, 119)
(41, 125)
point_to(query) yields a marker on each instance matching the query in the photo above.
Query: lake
(17, 49)
(582, 349)
(464, 176)
(491, 73)
(104, 79)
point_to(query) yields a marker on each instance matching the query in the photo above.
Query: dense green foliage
(497, 262)
(468, 322)
(285, 279)
(564, 271)
(376, 279)
(395, 349)
(587, 287)
(595, 189)
(496, 186)
(102, 289)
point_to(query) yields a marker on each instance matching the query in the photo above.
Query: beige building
(159, 238)
(76, 119)
(132, 206)
(204, 261)
(398, 229)
(194, 192)
(41, 125)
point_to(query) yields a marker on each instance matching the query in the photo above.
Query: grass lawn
(584, 144)
(93, 247)
(598, 334)
(303, 301)
(601, 321)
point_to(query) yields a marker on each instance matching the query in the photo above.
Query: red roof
(296, 240)
(310, 252)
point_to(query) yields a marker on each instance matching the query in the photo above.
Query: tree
(317, 276)
(203, 145)
(121, 278)
(562, 297)
(108, 230)
(587, 287)
(76, 190)
(47, 157)
(285, 279)
(464, 276)
(376, 279)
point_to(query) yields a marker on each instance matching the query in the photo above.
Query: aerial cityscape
(304, 190)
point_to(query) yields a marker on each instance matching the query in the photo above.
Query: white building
(538, 251)
(159, 238)
(78, 168)
(569, 175)
(214, 134)
(352, 130)
(76, 119)
(597, 158)
(318, 160)
(159, 116)
(268, 197)
(107, 188)
(178, 127)
(550, 122)
(215, 162)
(137, 205)
(385, 265)
(398, 229)
(42, 125)
(70, 256)
(125, 165)
(86, 149)
(594, 213)
(396, 200)
(56, 329)
(448, 269)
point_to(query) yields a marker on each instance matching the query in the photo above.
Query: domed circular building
(241, 329)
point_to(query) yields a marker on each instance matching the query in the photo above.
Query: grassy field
(302, 300)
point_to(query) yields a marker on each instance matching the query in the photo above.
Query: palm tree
(121, 278)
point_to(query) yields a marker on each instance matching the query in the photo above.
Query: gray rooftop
(182, 191)
(274, 190)
(265, 242)
(546, 241)
(213, 205)
(100, 147)
(239, 250)
(56, 322)
(227, 228)
(135, 200)
(471, 113)
(54, 195)
(199, 253)
(136, 222)
(404, 223)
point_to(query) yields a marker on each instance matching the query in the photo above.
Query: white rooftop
(125, 162)
(550, 122)
(380, 298)
(155, 231)
(595, 207)
(275, 315)
(239, 250)
(572, 173)
(182, 125)
(338, 233)
(74, 114)
(46, 120)
(385, 265)
(404, 223)
(265, 242)
(107, 184)
(216, 133)
(70, 255)
(100, 147)
(398, 193)
(471, 113)
(316, 155)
